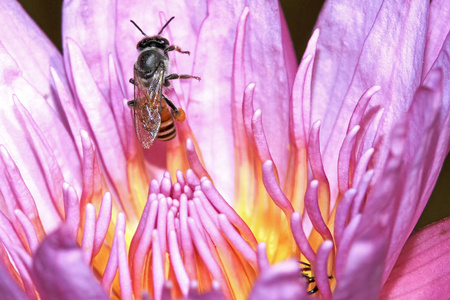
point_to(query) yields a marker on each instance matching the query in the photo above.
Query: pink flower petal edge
(423, 267)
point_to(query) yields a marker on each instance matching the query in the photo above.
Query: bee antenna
(165, 25)
(138, 27)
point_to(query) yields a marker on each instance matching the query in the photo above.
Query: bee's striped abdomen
(167, 130)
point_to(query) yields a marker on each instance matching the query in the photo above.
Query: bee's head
(154, 41)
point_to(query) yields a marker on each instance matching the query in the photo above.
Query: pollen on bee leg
(179, 114)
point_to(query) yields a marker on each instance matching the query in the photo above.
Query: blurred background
(301, 17)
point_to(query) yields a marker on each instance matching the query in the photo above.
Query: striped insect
(153, 111)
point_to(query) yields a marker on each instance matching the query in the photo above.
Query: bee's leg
(178, 113)
(132, 81)
(176, 48)
(131, 103)
(178, 76)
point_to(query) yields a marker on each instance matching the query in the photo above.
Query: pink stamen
(180, 178)
(158, 269)
(91, 171)
(361, 107)
(342, 215)
(87, 242)
(166, 186)
(207, 257)
(248, 111)
(260, 137)
(362, 165)
(71, 209)
(369, 132)
(261, 253)
(177, 264)
(223, 207)
(186, 241)
(210, 210)
(18, 190)
(161, 226)
(344, 246)
(315, 158)
(344, 160)
(176, 191)
(154, 187)
(312, 206)
(321, 269)
(193, 159)
(361, 193)
(192, 179)
(116, 96)
(124, 271)
(237, 241)
(102, 224)
(274, 190)
(143, 242)
(28, 228)
(49, 166)
(69, 109)
(300, 238)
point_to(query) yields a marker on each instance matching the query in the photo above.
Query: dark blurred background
(301, 17)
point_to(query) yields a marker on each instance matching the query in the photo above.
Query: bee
(152, 116)
(310, 279)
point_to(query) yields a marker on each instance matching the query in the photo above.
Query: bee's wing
(147, 109)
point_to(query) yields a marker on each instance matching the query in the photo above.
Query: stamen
(314, 212)
(15, 192)
(223, 207)
(177, 264)
(87, 242)
(102, 224)
(361, 193)
(321, 269)
(300, 238)
(186, 241)
(207, 257)
(344, 246)
(236, 240)
(345, 158)
(124, 271)
(342, 214)
(274, 190)
(49, 166)
(158, 265)
(71, 209)
(28, 228)
(361, 167)
(263, 262)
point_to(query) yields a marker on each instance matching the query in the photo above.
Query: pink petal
(60, 272)
(34, 64)
(422, 270)
(266, 66)
(398, 28)
(92, 27)
(437, 33)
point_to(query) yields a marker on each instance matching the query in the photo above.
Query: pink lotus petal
(102, 223)
(85, 24)
(437, 33)
(422, 269)
(60, 272)
(280, 282)
(34, 65)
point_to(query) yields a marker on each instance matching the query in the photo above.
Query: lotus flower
(282, 181)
